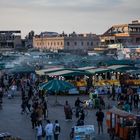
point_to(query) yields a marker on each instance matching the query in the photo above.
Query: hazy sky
(81, 16)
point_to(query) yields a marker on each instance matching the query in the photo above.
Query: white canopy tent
(44, 71)
(59, 73)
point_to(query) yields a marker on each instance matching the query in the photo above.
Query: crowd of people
(34, 103)
(127, 97)
(48, 131)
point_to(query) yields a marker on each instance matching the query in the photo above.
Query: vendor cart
(8, 136)
(85, 132)
(121, 124)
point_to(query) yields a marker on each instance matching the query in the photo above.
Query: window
(54, 43)
(68, 43)
(57, 43)
(91, 43)
(7, 37)
(75, 43)
(87, 43)
(82, 43)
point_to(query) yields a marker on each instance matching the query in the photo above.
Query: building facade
(10, 39)
(29, 40)
(126, 34)
(66, 42)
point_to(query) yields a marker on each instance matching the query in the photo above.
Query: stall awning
(44, 71)
(98, 70)
(86, 68)
(121, 113)
(133, 71)
(59, 73)
(21, 69)
(122, 68)
(68, 73)
(115, 67)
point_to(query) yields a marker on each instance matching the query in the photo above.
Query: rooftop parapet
(136, 22)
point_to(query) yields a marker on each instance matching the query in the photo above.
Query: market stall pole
(85, 132)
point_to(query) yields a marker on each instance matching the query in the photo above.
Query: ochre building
(66, 42)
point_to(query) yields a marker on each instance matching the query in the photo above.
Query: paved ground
(19, 125)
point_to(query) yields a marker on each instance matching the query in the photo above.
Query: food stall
(81, 85)
(120, 124)
(107, 82)
(85, 132)
(134, 82)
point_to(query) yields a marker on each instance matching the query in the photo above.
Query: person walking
(100, 117)
(27, 104)
(1, 97)
(39, 131)
(39, 113)
(23, 106)
(136, 100)
(118, 92)
(113, 92)
(78, 103)
(33, 118)
(56, 130)
(78, 106)
(67, 111)
(49, 130)
(81, 119)
(129, 99)
(44, 108)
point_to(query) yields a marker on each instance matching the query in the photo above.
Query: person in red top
(100, 117)
(67, 111)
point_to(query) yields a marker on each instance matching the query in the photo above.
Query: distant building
(29, 40)
(126, 34)
(48, 41)
(81, 41)
(53, 41)
(10, 39)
